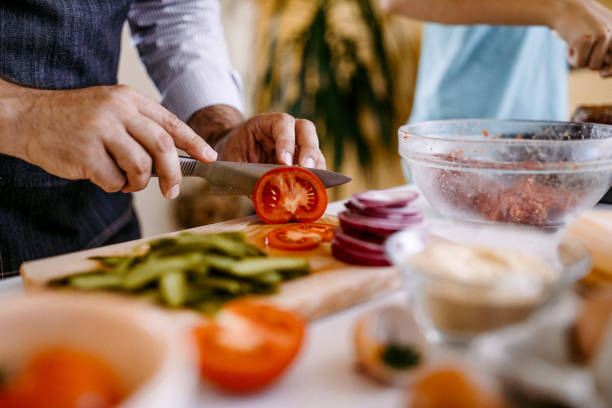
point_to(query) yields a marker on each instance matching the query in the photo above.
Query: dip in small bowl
(471, 279)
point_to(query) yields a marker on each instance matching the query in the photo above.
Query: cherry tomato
(292, 240)
(248, 346)
(63, 378)
(289, 193)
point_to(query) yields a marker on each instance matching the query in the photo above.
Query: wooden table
(325, 374)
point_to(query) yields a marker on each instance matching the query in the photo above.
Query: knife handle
(188, 166)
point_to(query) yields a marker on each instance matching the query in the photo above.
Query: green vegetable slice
(229, 244)
(196, 271)
(150, 295)
(149, 270)
(270, 278)
(197, 294)
(228, 285)
(95, 281)
(173, 288)
(111, 261)
(254, 266)
(212, 305)
(219, 262)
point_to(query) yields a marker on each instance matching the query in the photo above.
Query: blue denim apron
(58, 44)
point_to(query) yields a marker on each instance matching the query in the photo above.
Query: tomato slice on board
(300, 237)
(289, 193)
(325, 231)
(248, 346)
(292, 239)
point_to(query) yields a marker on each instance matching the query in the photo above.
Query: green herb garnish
(400, 357)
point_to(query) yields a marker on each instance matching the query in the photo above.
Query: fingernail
(209, 153)
(288, 158)
(308, 162)
(173, 192)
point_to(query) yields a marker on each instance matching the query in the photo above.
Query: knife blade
(236, 178)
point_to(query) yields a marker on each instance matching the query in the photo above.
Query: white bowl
(154, 360)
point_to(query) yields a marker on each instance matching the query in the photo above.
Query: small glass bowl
(455, 311)
(525, 172)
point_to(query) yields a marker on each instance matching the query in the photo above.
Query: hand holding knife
(237, 178)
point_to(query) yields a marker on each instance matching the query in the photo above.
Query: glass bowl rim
(402, 131)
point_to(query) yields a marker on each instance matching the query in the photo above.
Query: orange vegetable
(450, 387)
(248, 346)
(63, 378)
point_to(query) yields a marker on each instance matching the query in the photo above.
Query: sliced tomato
(292, 239)
(289, 193)
(248, 346)
(325, 231)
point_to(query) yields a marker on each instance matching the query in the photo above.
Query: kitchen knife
(236, 178)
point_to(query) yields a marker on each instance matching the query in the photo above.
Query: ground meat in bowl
(533, 199)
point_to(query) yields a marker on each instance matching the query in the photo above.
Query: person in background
(486, 71)
(504, 72)
(74, 144)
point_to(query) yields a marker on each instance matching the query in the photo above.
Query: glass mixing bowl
(526, 172)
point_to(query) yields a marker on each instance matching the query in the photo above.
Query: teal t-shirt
(491, 72)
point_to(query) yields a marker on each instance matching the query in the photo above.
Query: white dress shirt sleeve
(182, 44)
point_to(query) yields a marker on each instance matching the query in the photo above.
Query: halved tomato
(292, 240)
(289, 193)
(248, 346)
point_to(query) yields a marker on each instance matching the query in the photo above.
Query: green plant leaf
(334, 107)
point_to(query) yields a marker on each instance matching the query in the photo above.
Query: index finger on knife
(283, 133)
(184, 137)
(308, 144)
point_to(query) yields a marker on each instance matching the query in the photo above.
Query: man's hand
(111, 135)
(266, 138)
(586, 26)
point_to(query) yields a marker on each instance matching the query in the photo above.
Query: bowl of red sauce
(534, 173)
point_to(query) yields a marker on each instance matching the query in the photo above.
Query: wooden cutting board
(332, 286)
